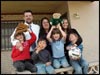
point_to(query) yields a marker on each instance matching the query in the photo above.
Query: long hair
(69, 26)
(42, 30)
(56, 31)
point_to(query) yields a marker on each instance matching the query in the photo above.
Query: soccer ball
(75, 53)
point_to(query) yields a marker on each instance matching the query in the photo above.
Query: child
(42, 59)
(21, 54)
(56, 37)
(80, 65)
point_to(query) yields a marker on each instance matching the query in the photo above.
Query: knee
(86, 65)
(78, 71)
(20, 68)
(56, 66)
(34, 69)
(65, 64)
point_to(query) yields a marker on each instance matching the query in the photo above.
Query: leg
(64, 62)
(19, 65)
(29, 66)
(50, 69)
(84, 65)
(56, 63)
(40, 68)
(76, 66)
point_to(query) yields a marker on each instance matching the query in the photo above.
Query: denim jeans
(58, 62)
(80, 66)
(43, 69)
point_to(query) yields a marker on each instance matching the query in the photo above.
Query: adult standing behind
(44, 29)
(67, 28)
(28, 20)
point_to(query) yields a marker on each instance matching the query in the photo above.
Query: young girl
(80, 65)
(21, 54)
(42, 59)
(57, 37)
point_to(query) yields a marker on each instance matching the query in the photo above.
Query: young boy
(21, 54)
(42, 59)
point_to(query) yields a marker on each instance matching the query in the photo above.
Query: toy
(75, 53)
(56, 19)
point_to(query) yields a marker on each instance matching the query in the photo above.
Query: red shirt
(25, 54)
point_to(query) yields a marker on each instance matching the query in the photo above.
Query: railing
(93, 69)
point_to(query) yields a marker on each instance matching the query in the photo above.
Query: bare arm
(13, 40)
(49, 34)
(62, 32)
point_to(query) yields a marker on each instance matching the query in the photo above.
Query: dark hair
(79, 40)
(42, 39)
(42, 30)
(69, 26)
(28, 11)
(20, 34)
(56, 31)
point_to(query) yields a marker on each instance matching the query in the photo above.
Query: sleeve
(13, 41)
(49, 56)
(34, 56)
(80, 47)
(15, 52)
(63, 41)
(33, 38)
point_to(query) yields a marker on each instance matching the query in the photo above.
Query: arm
(49, 61)
(49, 34)
(62, 32)
(13, 41)
(33, 37)
(15, 52)
(35, 53)
(34, 56)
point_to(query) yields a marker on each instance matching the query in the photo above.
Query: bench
(93, 69)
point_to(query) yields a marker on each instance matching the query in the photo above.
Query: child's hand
(53, 27)
(19, 46)
(58, 26)
(38, 48)
(48, 63)
(68, 47)
(29, 30)
(74, 58)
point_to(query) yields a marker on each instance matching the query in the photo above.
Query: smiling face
(65, 24)
(45, 24)
(20, 37)
(42, 44)
(56, 36)
(28, 17)
(73, 38)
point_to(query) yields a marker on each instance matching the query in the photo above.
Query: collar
(28, 24)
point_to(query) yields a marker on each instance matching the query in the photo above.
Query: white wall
(87, 25)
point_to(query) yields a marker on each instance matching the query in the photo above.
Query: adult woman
(44, 29)
(67, 28)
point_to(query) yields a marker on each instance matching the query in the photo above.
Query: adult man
(28, 18)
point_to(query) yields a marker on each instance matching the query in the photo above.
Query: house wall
(87, 25)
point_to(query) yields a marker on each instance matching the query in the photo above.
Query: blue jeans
(80, 66)
(58, 62)
(43, 69)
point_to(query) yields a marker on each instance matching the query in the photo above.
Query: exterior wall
(87, 25)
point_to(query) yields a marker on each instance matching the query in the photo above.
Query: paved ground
(7, 67)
